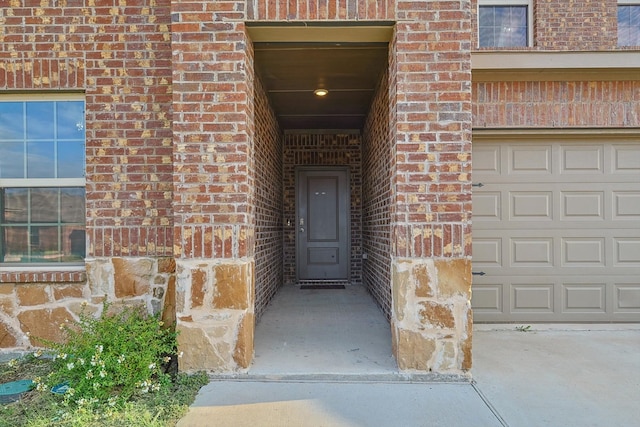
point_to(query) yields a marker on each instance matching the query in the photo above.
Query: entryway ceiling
(291, 72)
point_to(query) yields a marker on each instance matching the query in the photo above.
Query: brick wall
(433, 133)
(376, 198)
(576, 24)
(556, 104)
(269, 204)
(213, 131)
(118, 53)
(322, 150)
(568, 25)
(320, 10)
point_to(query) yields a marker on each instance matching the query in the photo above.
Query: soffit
(293, 61)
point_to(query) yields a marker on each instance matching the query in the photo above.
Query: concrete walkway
(323, 358)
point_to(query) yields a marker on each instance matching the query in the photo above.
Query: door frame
(347, 170)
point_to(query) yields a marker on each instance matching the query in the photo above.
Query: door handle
(302, 229)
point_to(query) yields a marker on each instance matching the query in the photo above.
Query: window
(503, 23)
(42, 194)
(628, 23)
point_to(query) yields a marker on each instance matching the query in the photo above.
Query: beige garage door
(556, 229)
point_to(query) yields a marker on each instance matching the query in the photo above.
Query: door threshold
(323, 284)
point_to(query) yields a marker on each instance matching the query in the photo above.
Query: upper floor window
(504, 23)
(42, 183)
(628, 23)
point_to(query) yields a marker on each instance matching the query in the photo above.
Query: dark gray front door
(323, 223)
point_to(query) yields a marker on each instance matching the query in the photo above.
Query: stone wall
(215, 308)
(35, 310)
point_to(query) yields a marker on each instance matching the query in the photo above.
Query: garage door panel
(627, 297)
(487, 252)
(487, 207)
(526, 252)
(626, 159)
(582, 158)
(582, 205)
(530, 159)
(627, 251)
(583, 252)
(528, 297)
(531, 206)
(487, 298)
(626, 205)
(584, 297)
(556, 231)
(487, 159)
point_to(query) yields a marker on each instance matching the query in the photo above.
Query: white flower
(152, 366)
(70, 365)
(121, 358)
(99, 348)
(103, 373)
(63, 356)
(166, 359)
(81, 361)
(89, 375)
(13, 363)
(37, 353)
(181, 354)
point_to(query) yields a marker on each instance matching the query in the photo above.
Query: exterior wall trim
(557, 133)
(554, 60)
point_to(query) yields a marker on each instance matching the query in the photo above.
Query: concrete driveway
(561, 375)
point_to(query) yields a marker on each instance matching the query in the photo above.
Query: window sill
(40, 274)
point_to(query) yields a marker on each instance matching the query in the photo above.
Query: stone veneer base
(215, 302)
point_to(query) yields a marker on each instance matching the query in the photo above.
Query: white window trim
(44, 96)
(528, 3)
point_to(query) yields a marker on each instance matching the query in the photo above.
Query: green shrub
(107, 360)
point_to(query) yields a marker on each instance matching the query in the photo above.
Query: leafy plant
(107, 360)
(523, 328)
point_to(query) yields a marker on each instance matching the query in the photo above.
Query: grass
(42, 408)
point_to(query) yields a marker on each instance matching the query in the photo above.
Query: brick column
(213, 184)
(431, 124)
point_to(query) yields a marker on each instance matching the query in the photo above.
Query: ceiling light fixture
(321, 92)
